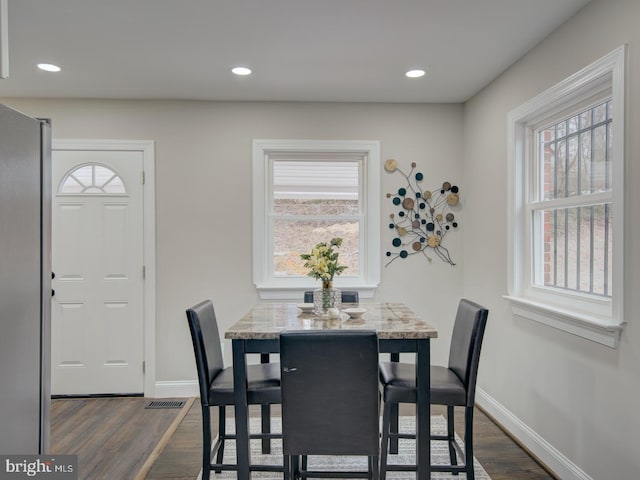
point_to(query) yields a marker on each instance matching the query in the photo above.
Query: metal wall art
(424, 217)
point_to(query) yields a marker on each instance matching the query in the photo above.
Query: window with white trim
(310, 191)
(566, 172)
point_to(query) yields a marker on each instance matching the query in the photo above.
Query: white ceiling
(299, 50)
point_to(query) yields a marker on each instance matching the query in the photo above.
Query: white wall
(203, 196)
(579, 396)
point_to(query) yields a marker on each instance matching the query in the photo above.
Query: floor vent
(166, 404)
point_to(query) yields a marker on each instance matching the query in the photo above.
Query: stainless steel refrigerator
(25, 283)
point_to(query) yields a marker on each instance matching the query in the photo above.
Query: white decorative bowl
(354, 312)
(305, 307)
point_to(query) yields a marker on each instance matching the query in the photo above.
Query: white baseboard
(177, 389)
(559, 464)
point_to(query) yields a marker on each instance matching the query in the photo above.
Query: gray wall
(581, 397)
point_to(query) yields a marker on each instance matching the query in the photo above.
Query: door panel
(97, 337)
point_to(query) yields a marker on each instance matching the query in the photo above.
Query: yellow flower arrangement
(323, 260)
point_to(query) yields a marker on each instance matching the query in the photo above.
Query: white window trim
(369, 279)
(599, 321)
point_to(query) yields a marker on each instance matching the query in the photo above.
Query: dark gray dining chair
(216, 387)
(330, 399)
(453, 385)
(348, 296)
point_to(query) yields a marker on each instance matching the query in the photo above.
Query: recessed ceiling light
(48, 67)
(415, 73)
(241, 70)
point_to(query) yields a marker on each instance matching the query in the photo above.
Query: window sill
(296, 294)
(590, 327)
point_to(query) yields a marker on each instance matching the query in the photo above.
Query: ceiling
(299, 50)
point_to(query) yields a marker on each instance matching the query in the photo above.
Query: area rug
(406, 455)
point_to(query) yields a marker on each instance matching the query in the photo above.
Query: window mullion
(591, 248)
(566, 159)
(555, 247)
(606, 249)
(578, 256)
(311, 218)
(593, 135)
(607, 184)
(575, 201)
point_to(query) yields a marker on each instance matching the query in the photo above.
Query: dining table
(399, 330)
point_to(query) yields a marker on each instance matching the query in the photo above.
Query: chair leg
(394, 427)
(222, 432)
(395, 414)
(295, 466)
(287, 467)
(374, 467)
(265, 412)
(206, 442)
(451, 436)
(468, 442)
(386, 414)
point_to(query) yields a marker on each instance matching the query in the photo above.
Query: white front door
(97, 341)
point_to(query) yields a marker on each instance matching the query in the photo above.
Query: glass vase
(325, 298)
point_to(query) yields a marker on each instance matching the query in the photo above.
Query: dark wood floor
(113, 437)
(117, 438)
(501, 457)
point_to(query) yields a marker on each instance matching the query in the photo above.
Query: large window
(571, 204)
(566, 168)
(306, 192)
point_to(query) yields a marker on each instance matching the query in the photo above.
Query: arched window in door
(92, 178)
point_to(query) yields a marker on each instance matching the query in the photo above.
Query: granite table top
(265, 321)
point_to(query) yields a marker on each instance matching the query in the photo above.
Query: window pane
(548, 134)
(560, 180)
(576, 160)
(601, 165)
(315, 187)
(577, 249)
(573, 178)
(293, 206)
(600, 113)
(102, 175)
(585, 119)
(292, 238)
(71, 185)
(573, 124)
(585, 163)
(84, 175)
(549, 177)
(114, 185)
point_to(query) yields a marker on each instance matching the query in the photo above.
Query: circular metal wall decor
(424, 217)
